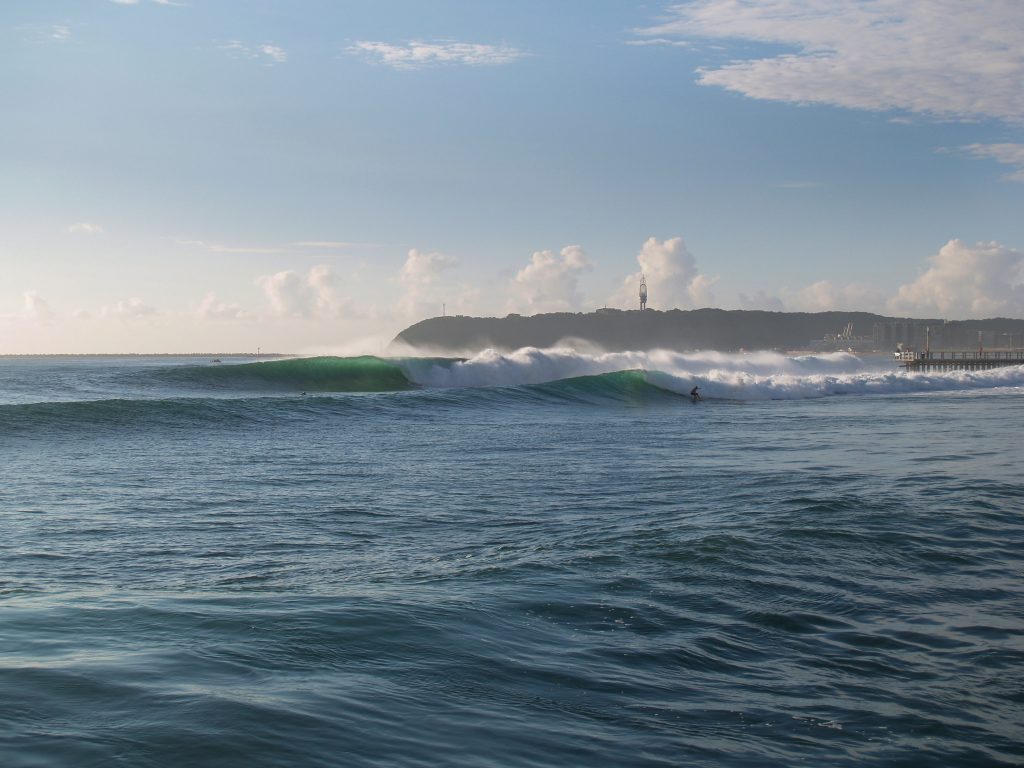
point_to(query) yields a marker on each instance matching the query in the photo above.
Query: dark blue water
(201, 571)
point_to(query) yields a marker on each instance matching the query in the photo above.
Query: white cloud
(983, 280)
(85, 228)
(416, 53)
(550, 282)
(129, 309)
(270, 53)
(329, 244)
(36, 307)
(1007, 154)
(292, 294)
(218, 248)
(421, 278)
(60, 32)
(125, 2)
(275, 52)
(673, 280)
(425, 268)
(213, 308)
(945, 58)
(660, 41)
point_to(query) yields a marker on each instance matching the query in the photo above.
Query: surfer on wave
(695, 394)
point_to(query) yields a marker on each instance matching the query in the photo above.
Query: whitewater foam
(745, 376)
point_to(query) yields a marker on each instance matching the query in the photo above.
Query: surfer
(695, 394)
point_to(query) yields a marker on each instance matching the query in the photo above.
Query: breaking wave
(745, 376)
(310, 388)
(748, 376)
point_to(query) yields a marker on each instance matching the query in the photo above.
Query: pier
(965, 360)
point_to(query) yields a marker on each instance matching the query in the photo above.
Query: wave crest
(308, 374)
(744, 376)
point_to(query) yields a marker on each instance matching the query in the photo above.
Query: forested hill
(635, 330)
(617, 330)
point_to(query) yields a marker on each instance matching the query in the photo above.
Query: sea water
(542, 558)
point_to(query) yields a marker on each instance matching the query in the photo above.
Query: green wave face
(631, 386)
(308, 374)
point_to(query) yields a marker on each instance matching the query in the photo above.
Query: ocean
(541, 558)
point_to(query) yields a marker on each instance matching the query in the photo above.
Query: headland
(727, 330)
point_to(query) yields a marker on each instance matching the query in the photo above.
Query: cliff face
(617, 330)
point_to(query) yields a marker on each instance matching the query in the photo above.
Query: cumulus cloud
(944, 58)
(417, 53)
(212, 308)
(292, 294)
(673, 280)
(36, 307)
(1006, 154)
(550, 282)
(421, 279)
(983, 280)
(86, 228)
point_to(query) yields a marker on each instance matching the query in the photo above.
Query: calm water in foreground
(820, 564)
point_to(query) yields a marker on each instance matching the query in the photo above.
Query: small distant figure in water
(695, 394)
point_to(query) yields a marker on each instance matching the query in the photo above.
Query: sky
(315, 175)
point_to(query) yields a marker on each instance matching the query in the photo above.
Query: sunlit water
(820, 564)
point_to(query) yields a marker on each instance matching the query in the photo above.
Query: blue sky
(313, 175)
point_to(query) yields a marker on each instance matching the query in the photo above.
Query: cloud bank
(945, 58)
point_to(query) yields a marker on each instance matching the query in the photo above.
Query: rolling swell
(213, 412)
(308, 374)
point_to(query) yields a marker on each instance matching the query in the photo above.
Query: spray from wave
(749, 376)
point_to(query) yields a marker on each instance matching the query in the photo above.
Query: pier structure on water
(967, 360)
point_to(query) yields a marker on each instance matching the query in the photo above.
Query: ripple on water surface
(537, 584)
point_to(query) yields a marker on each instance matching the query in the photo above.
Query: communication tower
(643, 293)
